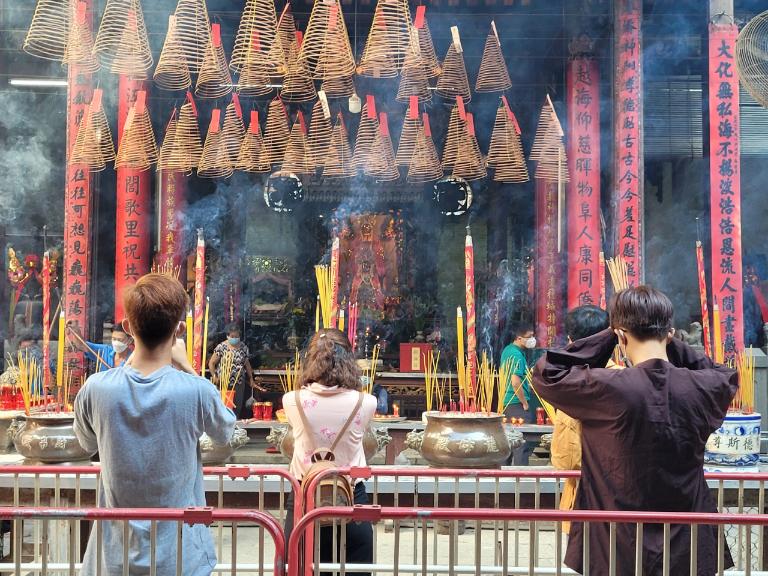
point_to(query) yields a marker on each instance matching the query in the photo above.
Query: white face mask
(530, 343)
(119, 346)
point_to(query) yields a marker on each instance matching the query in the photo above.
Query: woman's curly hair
(329, 361)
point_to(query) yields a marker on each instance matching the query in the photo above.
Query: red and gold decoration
(469, 290)
(548, 267)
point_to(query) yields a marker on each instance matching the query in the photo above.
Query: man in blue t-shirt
(518, 392)
(106, 356)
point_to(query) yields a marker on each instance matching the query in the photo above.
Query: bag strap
(310, 434)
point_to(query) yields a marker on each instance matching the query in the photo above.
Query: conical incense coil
(493, 75)
(388, 40)
(455, 133)
(215, 162)
(505, 153)
(319, 135)
(122, 43)
(407, 143)
(427, 48)
(172, 71)
(188, 145)
(276, 132)
(381, 164)
(338, 163)
(425, 164)
(257, 36)
(93, 145)
(553, 165)
(233, 129)
(251, 154)
(193, 29)
(286, 36)
(366, 134)
(453, 81)
(339, 87)
(79, 51)
(548, 149)
(214, 80)
(48, 33)
(469, 164)
(138, 149)
(167, 148)
(326, 50)
(413, 81)
(297, 155)
(297, 85)
(255, 79)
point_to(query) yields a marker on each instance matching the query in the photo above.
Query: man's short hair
(154, 306)
(585, 321)
(518, 329)
(118, 327)
(643, 311)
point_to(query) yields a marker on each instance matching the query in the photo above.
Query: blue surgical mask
(233, 341)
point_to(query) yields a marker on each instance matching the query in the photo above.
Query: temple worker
(145, 419)
(106, 356)
(330, 411)
(237, 352)
(518, 392)
(643, 432)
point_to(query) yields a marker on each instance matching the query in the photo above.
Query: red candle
(199, 310)
(469, 285)
(334, 282)
(46, 282)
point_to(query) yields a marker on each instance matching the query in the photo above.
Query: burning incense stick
(548, 408)
(744, 401)
(617, 267)
(167, 268)
(290, 381)
(205, 336)
(432, 387)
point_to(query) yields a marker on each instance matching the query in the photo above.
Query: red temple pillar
(583, 200)
(725, 185)
(549, 269)
(628, 132)
(172, 188)
(132, 233)
(77, 207)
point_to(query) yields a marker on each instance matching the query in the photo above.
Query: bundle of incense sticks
(434, 388)
(487, 379)
(352, 324)
(617, 267)
(290, 382)
(325, 291)
(167, 268)
(29, 380)
(548, 408)
(228, 380)
(744, 401)
(505, 376)
(370, 373)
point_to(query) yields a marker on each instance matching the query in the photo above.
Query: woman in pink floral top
(330, 390)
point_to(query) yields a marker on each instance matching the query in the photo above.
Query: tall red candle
(199, 309)
(469, 289)
(45, 278)
(335, 282)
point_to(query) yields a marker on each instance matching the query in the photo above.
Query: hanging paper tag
(216, 34)
(253, 128)
(418, 22)
(324, 103)
(495, 32)
(470, 124)
(283, 13)
(215, 116)
(507, 109)
(514, 121)
(302, 125)
(81, 10)
(255, 44)
(383, 124)
(299, 37)
(413, 108)
(141, 101)
(236, 102)
(96, 100)
(132, 25)
(370, 103)
(173, 116)
(192, 103)
(456, 39)
(462, 110)
(555, 119)
(427, 128)
(332, 17)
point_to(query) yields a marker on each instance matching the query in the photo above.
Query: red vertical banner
(171, 205)
(583, 201)
(628, 160)
(549, 304)
(725, 185)
(132, 233)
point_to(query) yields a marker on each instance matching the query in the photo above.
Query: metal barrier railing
(457, 563)
(70, 563)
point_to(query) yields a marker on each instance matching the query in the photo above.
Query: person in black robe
(644, 430)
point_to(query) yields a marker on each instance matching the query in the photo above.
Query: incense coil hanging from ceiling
(413, 81)
(250, 158)
(298, 158)
(172, 70)
(319, 135)
(285, 34)
(505, 153)
(381, 164)
(164, 159)
(214, 80)
(93, 145)
(137, 149)
(122, 43)
(215, 161)
(297, 84)
(407, 143)
(193, 30)
(49, 30)
(453, 80)
(469, 163)
(427, 49)
(342, 87)
(325, 49)
(388, 40)
(548, 149)
(456, 127)
(751, 57)
(233, 130)
(255, 75)
(366, 134)
(276, 132)
(425, 164)
(338, 163)
(493, 75)
(257, 38)
(187, 145)
(80, 44)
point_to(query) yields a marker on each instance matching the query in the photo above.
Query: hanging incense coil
(298, 158)
(122, 43)
(79, 51)
(427, 49)
(255, 79)
(93, 145)
(453, 81)
(252, 150)
(297, 85)
(505, 153)
(425, 164)
(276, 133)
(172, 71)
(366, 135)
(407, 144)
(233, 130)
(751, 57)
(493, 75)
(413, 81)
(187, 146)
(548, 148)
(469, 163)
(456, 129)
(319, 135)
(326, 50)
(338, 87)
(138, 149)
(285, 35)
(167, 148)
(215, 161)
(193, 30)
(338, 163)
(382, 165)
(49, 31)
(214, 80)
(257, 37)
(388, 40)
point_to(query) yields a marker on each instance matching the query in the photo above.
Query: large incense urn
(48, 438)
(465, 440)
(736, 442)
(375, 438)
(219, 453)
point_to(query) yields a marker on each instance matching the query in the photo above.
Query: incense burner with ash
(465, 440)
(374, 440)
(48, 438)
(219, 453)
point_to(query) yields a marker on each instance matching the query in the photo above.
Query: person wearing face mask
(643, 433)
(518, 393)
(241, 367)
(112, 355)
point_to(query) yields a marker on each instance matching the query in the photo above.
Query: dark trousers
(359, 536)
(520, 455)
